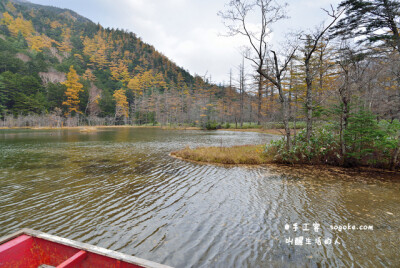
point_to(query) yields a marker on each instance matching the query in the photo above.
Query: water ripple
(120, 190)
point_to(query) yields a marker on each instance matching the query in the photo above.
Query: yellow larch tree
(7, 19)
(17, 25)
(135, 84)
(55, 24)
(115, 55)
(25, 27)
(119, 72)
(79, 57)
(96, 48)
(38, 42)
(121, 103)
(147, 79)
(127, 57)
(11, 7)
(138, 69)
(159, 81)
(72, 92)
(88, 75)
(66, 45)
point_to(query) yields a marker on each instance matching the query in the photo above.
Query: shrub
(211, 125)
(323, 148)
(368, 143)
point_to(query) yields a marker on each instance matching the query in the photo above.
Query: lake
(118, 188)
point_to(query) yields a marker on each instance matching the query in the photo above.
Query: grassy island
(236, 155)
(365, 143)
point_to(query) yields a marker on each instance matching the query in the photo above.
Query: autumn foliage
(72, 93)
(122, 108)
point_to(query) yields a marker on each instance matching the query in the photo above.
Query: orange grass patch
(236, 155)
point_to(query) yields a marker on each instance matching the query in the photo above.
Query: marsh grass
(236, 155)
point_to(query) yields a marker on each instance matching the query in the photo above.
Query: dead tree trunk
(241, 91)
(277, 81)
(259, 98)
(309, 106)
(311, 43)
(344, 116)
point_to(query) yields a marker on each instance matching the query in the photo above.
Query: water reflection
(119, 189)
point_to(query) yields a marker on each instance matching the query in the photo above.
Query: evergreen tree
(372, 20)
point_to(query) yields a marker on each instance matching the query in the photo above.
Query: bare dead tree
(242, 82)
(236, 19)
(259, 98)
(354, 78)
(344, 92)
(311, 44)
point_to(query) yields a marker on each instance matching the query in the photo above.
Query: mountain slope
(39, 44)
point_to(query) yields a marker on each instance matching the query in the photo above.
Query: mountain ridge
(39, 45)
(51, 8)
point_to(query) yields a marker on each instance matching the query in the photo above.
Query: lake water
(119, 189)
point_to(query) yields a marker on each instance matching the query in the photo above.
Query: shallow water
(119, 189)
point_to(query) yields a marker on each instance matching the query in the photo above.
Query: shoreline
(278, 132)
(303, 170)
(271, 131)
(96, 127)
(307, 170)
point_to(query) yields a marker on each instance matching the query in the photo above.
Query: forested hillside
(57, 64)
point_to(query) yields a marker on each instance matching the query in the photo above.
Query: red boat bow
(28, 248)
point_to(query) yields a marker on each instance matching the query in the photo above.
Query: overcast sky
(189, 31)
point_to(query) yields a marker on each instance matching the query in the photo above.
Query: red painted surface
(95, 260)
(52, 253)
(25, 251)
(74, 260)
(14, 253)
(30, 252)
